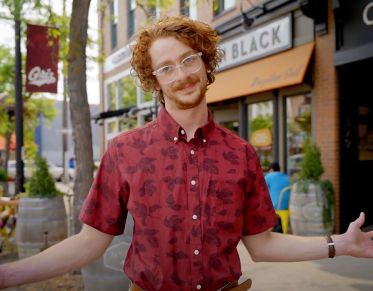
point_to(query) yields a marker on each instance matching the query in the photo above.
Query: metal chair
(284, 214)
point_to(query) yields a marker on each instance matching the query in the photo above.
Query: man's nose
(179, 73)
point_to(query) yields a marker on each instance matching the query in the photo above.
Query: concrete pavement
(339, 273)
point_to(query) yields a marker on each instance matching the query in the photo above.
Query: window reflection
(298, 129)
(260, 130)
(127, 92)
(111, 96)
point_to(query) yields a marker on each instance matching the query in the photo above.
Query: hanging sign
(42, 59)
(261, 138)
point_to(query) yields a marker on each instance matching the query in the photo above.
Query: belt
(233, 286)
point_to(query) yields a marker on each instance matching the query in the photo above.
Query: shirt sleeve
(105, 206)
(259, 214)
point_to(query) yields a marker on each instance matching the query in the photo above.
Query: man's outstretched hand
(354, 242)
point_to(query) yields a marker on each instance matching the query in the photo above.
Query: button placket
(194, 203)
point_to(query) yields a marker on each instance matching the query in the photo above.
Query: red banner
(42, 59)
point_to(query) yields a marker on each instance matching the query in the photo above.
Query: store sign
(355, 30)
(261, 138)
(368, 14)
(116, 59)
(257, 43)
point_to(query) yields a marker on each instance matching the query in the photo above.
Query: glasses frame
(180, 65)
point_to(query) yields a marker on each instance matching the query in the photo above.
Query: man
(276, 182)
(193, 188)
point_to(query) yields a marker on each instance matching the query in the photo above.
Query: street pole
(18, 100)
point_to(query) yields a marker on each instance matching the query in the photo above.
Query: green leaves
(311, 167)
(41, 183)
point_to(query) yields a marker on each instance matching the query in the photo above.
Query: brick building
(277, 84)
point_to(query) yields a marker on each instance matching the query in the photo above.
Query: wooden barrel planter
(306, 206)
(40, 221)
(107, 272)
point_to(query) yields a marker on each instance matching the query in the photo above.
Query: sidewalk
(340, 273)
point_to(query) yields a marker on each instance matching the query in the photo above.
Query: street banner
(42, 59)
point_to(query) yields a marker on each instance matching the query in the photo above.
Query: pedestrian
(194, 189)
(276, 182)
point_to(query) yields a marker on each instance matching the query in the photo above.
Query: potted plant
(312, 199)
(42, 219)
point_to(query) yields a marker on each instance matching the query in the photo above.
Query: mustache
(178, 85)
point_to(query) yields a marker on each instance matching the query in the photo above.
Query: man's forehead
(168, 49)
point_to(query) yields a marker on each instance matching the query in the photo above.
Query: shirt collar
(172, 131)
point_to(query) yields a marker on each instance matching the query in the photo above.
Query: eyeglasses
(189, 65)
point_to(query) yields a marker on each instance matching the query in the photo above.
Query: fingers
(360, 220)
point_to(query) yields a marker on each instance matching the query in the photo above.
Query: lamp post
(19, 100)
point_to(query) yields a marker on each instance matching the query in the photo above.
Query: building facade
(353, 61)
(277, 85)
(49, 137)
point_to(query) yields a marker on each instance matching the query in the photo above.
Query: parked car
(56, 171)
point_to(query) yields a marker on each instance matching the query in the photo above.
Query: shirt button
(194, 216)
(204, 140)
(193, 182)
(199, 287)
(192, 152)
(175, 138)
(196, 252)
(182, 131)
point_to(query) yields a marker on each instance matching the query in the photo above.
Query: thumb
(360, 220)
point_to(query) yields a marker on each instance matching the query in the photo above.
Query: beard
(183, 101)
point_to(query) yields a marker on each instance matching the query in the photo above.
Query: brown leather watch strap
(331, 246)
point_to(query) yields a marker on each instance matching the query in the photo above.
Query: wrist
(339, 244)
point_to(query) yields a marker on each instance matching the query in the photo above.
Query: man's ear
(157, 87)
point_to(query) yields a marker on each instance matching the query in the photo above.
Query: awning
(281, 70)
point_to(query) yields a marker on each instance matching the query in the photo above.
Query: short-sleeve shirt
(191, 203)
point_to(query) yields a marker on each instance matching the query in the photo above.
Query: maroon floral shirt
(191, 203)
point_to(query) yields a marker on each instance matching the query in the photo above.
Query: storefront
(354, 62)
(263, 89)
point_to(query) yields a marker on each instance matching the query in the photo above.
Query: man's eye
(165, 69)
(189, 60)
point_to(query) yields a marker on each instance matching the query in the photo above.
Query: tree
(79, 107)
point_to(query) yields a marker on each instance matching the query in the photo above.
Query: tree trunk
(79, 107)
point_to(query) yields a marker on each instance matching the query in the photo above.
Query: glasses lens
(191, 64)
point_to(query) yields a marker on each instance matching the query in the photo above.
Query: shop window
(131, 18)
(112, 127)
(127, 123)
(189, 8)
(231, 125)
(220, 6)
(127, 92)
(114, 23)
(147, 97)
(298, 130)
(112, 97)
(260, 119)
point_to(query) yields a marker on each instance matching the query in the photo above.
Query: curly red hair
(196, 34)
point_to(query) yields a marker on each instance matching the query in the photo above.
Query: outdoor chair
(284, 214)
